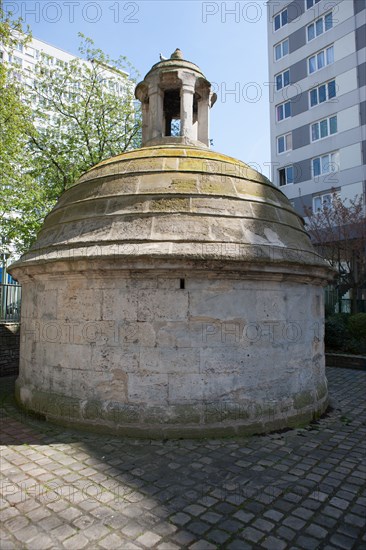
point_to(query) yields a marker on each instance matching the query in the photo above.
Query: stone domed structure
(173, 291)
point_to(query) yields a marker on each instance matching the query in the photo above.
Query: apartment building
(317, 67)
(24, 59)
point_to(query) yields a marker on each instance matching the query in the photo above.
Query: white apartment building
(317, 64)
(27, 57)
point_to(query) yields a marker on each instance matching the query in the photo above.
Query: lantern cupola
(176, 99)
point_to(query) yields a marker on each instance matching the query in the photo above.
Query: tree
(339, 233)
(15, 127)
(87, 113)
(81, 118)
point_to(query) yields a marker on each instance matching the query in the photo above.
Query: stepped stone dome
(175, 203)
(173, 291)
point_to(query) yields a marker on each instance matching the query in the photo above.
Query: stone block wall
(144, 354)
(9, 349)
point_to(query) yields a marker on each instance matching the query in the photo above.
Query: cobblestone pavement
(299, 489)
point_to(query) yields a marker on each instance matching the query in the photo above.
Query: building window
(281, 49)
(284, 143)
(286, 176)
(326, 164)
(283, 111)
(322, 93)
(282, 80)
(324, 128)
(320, 60)
(19, 47)
(311, 3)
(280, 20)
(16, 60)
(321, 25)
(322, 201)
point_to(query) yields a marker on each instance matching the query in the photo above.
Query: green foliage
(11, 30)
(84, 112)
(336, 331)
(329, 310)
(346, 333)
(15, 127)
(357, 326)
(87, 115)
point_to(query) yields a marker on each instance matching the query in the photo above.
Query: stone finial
(177, 54)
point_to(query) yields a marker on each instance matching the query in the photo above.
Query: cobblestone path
(300, 489)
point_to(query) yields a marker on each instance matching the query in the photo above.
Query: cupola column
(203, 119)
(145, 122)
(186, 107)
(156, 117)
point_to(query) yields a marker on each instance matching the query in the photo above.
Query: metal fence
(335, 304)
(10, 299)
(346, 306)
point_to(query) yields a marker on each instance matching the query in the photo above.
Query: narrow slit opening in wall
(195, 107)
(182, 284)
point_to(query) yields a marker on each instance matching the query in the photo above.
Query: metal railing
(346, 306)
(10, 300)
(337, 304)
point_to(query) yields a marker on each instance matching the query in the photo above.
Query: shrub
(357, 326)
(336, 332)
(346, 333)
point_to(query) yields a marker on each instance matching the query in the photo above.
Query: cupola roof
(174, 200)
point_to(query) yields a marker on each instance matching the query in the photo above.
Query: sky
(227, 40)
